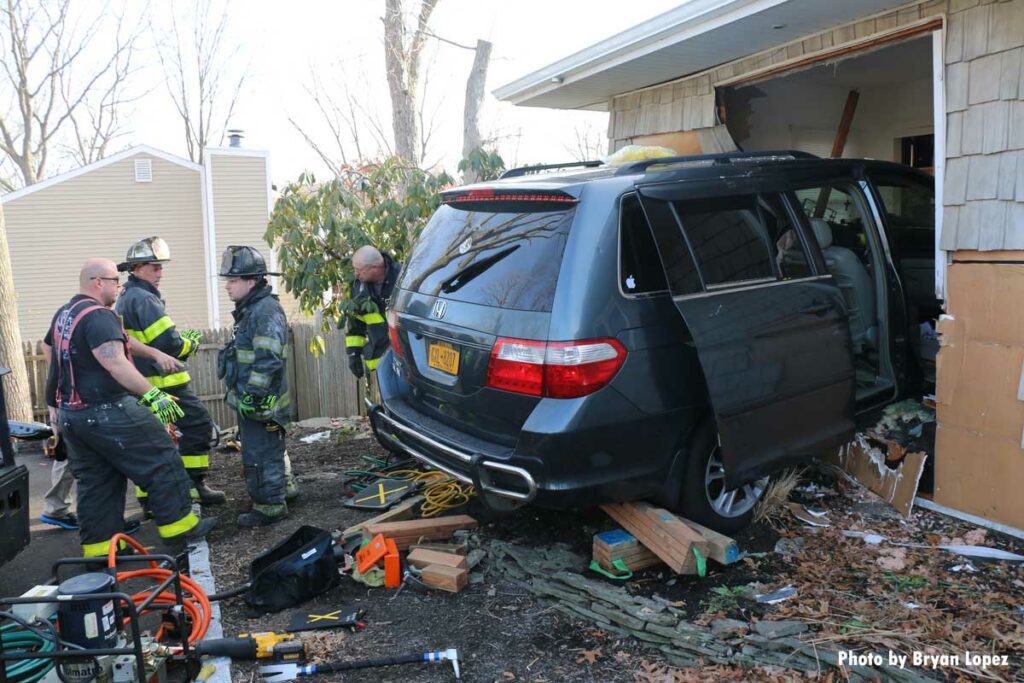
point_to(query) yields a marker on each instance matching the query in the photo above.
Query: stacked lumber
(617, 544)
(406, 533)
(670, 537)
(439, 569)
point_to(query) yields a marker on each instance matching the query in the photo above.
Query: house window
(918, 151)
(143, 170)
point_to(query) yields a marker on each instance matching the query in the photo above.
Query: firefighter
(110, 417)
(142, 311)
(252, 366)
(366, 338)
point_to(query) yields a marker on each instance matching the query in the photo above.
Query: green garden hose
(17, 639)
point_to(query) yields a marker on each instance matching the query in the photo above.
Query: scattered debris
(790, 546)
(314, 438)
(776, 596)
(809, 516)
(868, 466)
(776, 495)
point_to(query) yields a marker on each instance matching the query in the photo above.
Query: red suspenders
(63, 330)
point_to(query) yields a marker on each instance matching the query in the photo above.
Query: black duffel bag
(296, 569)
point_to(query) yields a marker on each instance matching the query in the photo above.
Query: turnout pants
(196, 429)
(109, 443)
(263, 459)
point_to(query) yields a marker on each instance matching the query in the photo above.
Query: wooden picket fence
(320, 386)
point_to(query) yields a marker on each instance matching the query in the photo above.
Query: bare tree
(40, 46)
(19, 405)
(589, 143)
(403, 49)
(203, 86)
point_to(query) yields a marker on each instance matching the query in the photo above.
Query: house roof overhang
(695, 36)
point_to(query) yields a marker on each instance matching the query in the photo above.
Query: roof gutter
(669, 28)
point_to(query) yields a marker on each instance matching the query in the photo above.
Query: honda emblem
(439, 306)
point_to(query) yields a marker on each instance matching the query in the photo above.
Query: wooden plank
(421, 557)
(662, 532)
(403, 511)
(409, 532)
(453, 548)
(446, 578)
(721, 548)
(622, 545)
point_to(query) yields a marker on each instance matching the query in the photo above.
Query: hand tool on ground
(282, 646)
(278, 673)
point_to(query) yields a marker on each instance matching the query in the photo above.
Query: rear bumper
(484, 472)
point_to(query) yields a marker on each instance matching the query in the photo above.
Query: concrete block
(1009, 166)
(955, 38)
(983, 177)
(996, 117)
(972, 139)
(967, 230)
(976, 32)
(992, 226)
(1006, 29)
(950, 218)
(956, 86)
(954, 130)
(1015, 132)
(1009, 73)
(983, 79)
(1013, 238)
(954, 190)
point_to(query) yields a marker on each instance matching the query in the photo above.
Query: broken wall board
(617, 544)
(445, 578)
(896, 486)
(414, 530)
(665, 534)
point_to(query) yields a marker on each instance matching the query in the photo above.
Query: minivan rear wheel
(704, 497)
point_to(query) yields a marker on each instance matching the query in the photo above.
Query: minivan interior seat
(855, 284)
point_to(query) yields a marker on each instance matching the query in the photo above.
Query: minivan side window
(640, 270)
(728, 238)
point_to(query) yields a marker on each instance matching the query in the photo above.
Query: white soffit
(695, 36)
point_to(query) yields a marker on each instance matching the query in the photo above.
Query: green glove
(250, 405)
(163, 405)
(193, 338)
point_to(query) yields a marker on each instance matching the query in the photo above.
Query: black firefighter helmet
(149, 250)
(242, 261)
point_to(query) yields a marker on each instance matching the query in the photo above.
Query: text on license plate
(444, 357)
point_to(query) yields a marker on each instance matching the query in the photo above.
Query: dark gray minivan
(674, 329)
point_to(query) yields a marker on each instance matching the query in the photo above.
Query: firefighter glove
(193, 339)
(251, 405)
(163, 405)
(355, 364)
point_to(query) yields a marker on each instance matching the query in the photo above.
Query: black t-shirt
(94, 383)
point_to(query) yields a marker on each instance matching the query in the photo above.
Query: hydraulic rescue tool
(284, 647)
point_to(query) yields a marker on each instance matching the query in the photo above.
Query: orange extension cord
(194, 599)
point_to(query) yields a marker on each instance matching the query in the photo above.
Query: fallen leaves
(589, 656)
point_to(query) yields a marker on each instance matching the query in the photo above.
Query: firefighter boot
(205, 495)
(178, 544)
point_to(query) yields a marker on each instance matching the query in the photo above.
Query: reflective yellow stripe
(179, 527)
(373, 363)
(186, 348)
(156, 329)
(259, 379)
(355, 340)
(371, 318)
(267, 344)
(245, 356)
(139, 493)
(172, 380)
(135, 334)
(193, 461)
(99, 549)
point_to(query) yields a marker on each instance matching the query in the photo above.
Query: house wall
(100, 213)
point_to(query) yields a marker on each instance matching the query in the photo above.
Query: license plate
(444, 357)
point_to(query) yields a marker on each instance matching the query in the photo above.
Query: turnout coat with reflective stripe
(144, 317)
(367, 332)
(255, 361)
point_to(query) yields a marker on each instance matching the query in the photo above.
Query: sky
(285, 47)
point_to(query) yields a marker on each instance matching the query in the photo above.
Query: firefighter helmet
(242, 261)
(149, 250)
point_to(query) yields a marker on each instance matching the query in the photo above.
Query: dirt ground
(850, 593)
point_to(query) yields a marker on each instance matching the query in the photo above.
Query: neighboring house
(100, 209)
(940, 85)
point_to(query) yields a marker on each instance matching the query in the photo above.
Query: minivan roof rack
(537, 168)
(720, 158)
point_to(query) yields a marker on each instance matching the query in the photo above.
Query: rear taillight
(396, 346)
(554, 369)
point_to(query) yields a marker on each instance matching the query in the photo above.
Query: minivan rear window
(506, 260)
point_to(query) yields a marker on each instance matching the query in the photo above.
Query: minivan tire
(702, 484)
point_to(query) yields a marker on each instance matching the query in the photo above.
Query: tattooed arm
(111, 356)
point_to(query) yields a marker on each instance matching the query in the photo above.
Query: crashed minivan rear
(676, 331)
